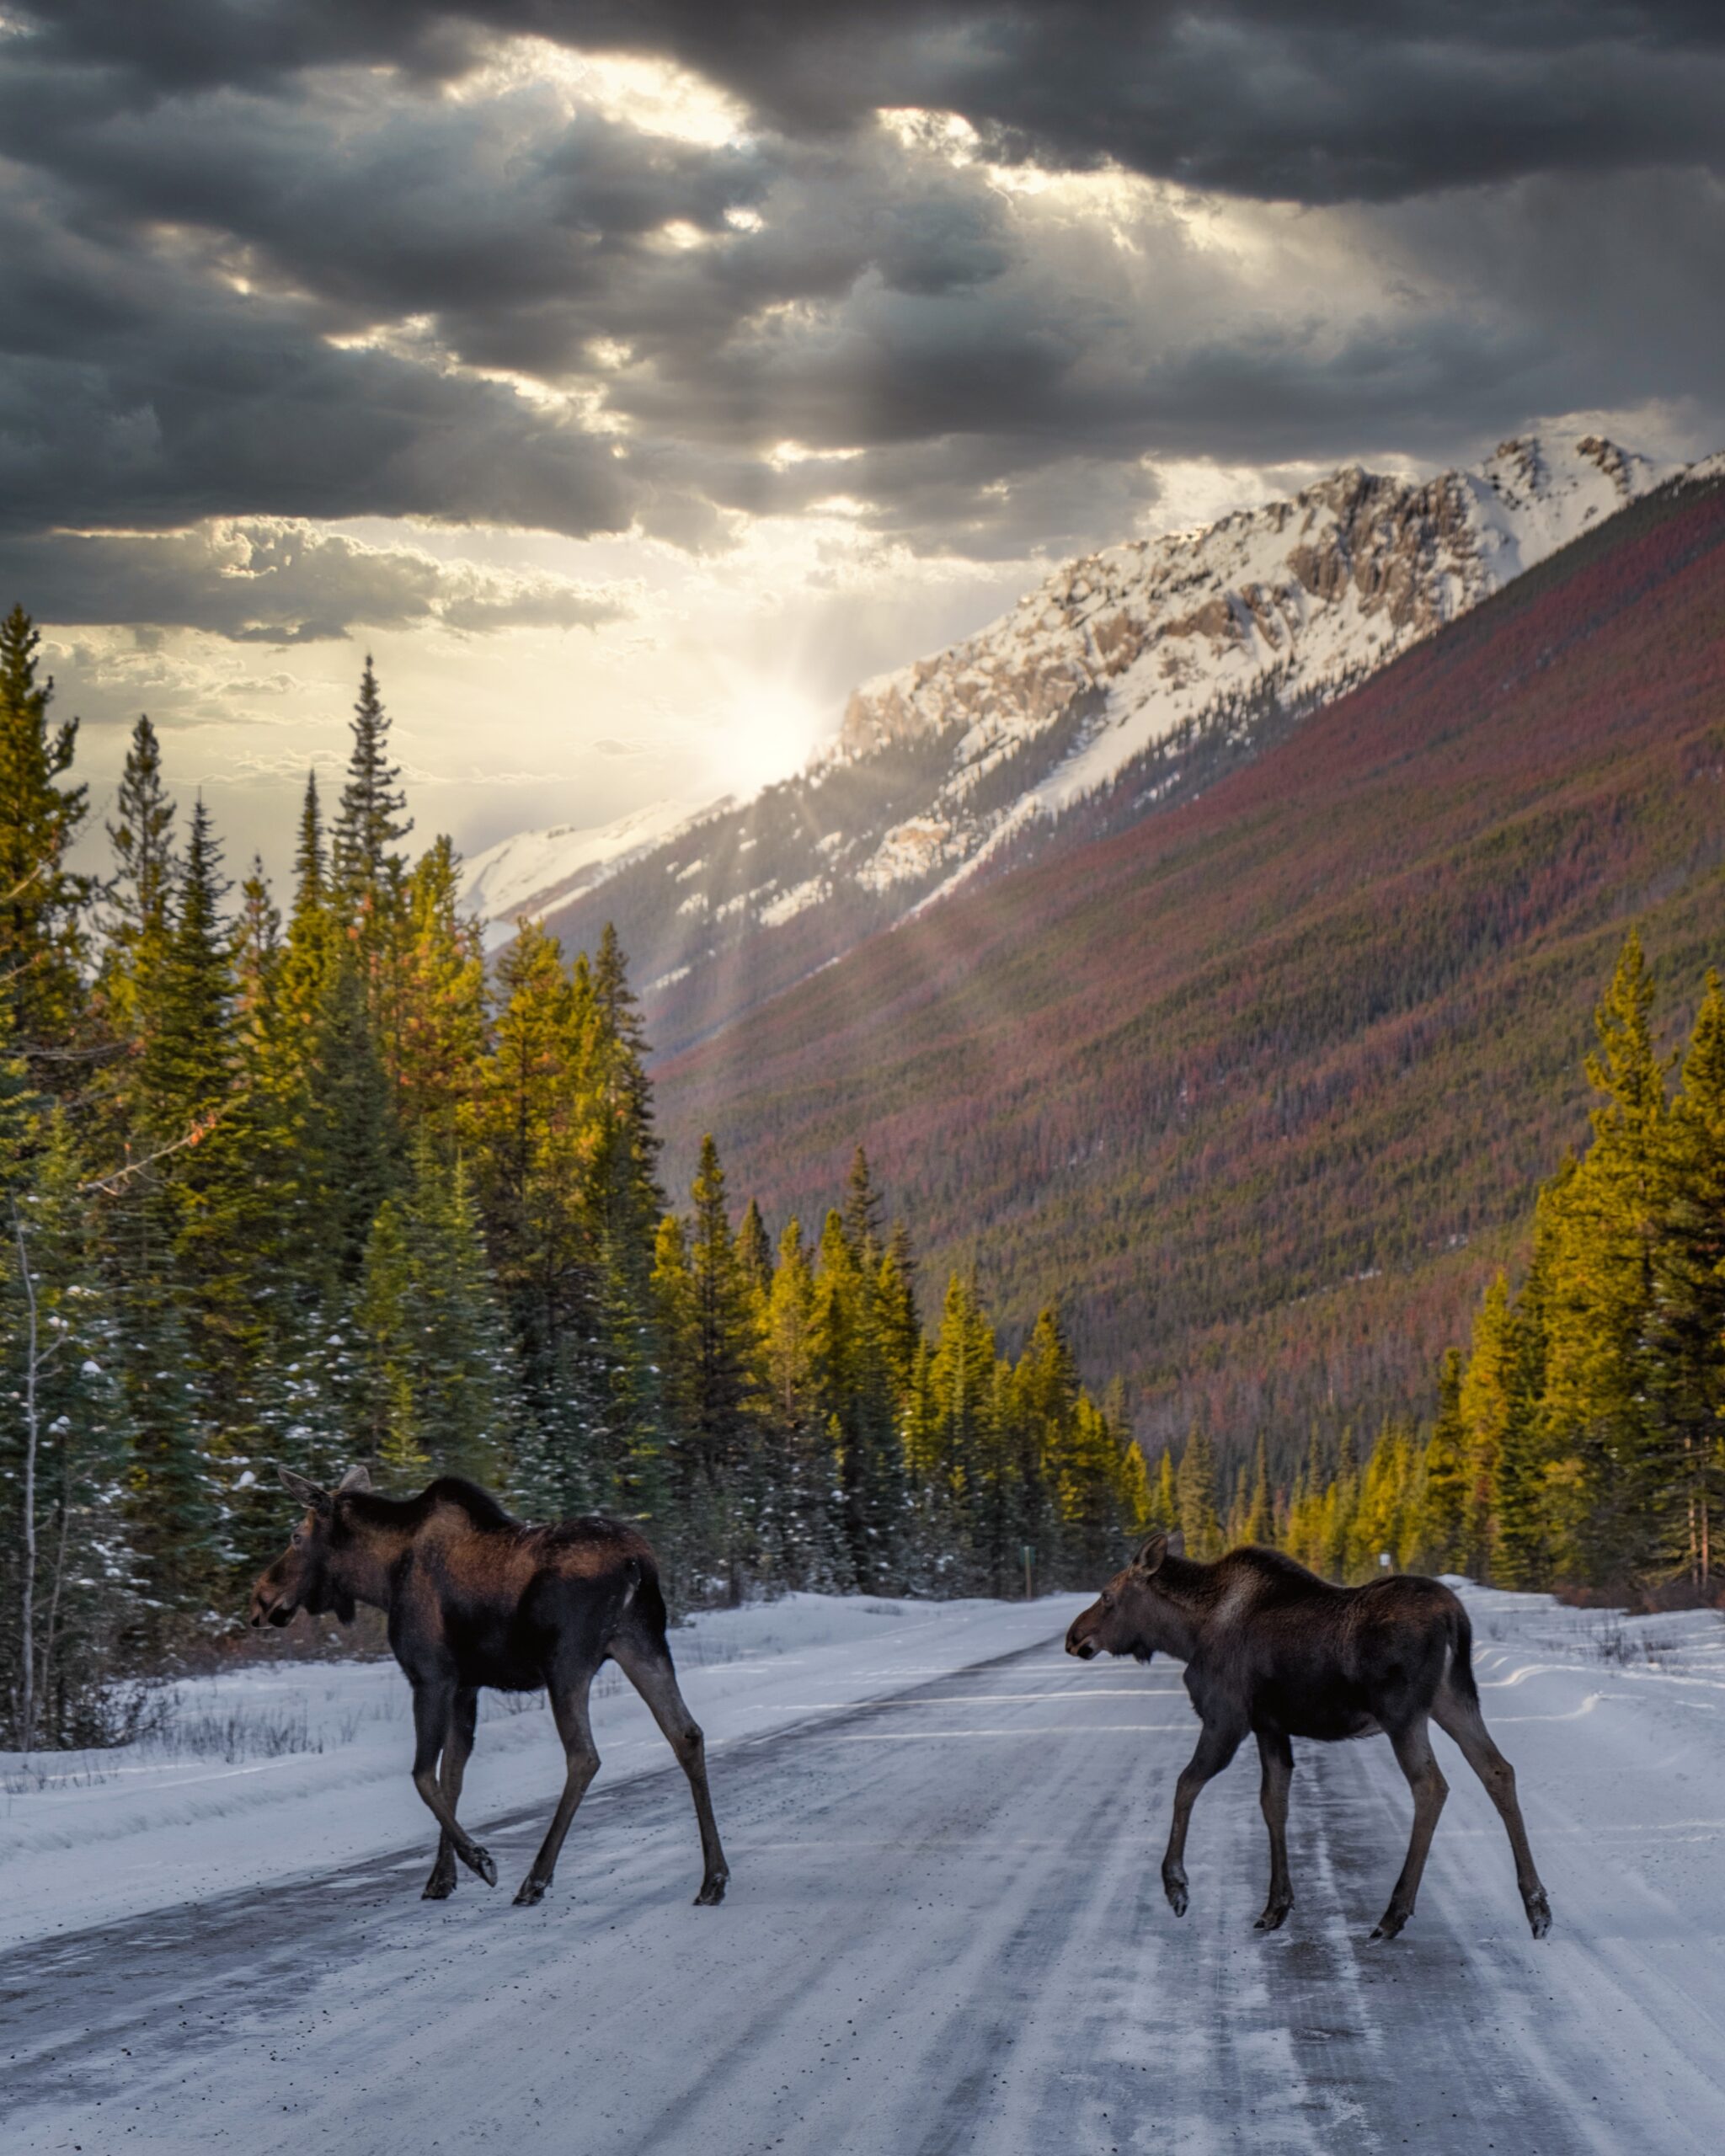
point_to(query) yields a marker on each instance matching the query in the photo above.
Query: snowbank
(271, 1771)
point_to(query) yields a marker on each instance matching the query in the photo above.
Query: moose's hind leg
(457, 1749)
(1458, 1717)
(649, 1668)
(1277, 1754)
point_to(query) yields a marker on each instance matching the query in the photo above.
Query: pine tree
(755, 1252)
(1165, 1509)
(852, 1384)
(723, 1401)
(439, 1030)
(1443, 1526)
(437, 1379)
(1599, 1231)
(1687, 1320)
(67, 1580)
(372, 820)
(864, 1212)
(141, 891)
(812, 1553)
(1491, 1409)
(1258, 1525)
(41, 899)
(628, 1202)
(1199, 1522)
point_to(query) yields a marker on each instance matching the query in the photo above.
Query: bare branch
(109, 1184)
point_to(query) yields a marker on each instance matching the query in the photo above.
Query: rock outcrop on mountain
(1129, 676)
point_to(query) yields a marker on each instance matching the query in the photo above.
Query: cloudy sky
(634, 375)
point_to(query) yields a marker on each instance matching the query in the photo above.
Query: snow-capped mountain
(1122, 679)
(536, 870)
(1320, 588)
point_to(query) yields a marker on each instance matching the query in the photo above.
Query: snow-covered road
(946, 1932)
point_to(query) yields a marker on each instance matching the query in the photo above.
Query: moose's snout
(1081, 1635)
(268, 1607)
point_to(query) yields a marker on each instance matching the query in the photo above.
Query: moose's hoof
(712, 1891)
(480, 1861)
(1274, 1918)
(439, 1886)
(1539, 1915)
(1390, 1925)
(1175, 1889)
(530, 1892)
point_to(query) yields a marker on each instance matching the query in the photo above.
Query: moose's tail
(642, 1613)
(1461, 1653)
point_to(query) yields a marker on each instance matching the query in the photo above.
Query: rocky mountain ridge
(1106, 679)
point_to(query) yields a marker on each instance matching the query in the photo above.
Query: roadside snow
(274, 1771)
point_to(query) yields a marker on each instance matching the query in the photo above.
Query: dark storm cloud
(1312, 100)
(257, 580)
(271, 260)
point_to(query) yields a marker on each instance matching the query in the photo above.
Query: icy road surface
(946, 1932)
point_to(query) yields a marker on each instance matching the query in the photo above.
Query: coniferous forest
(303, 1181)
(307, 1182)
(1580, 1440)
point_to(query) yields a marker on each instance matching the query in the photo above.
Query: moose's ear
(1150, 1557)
(307, 1491)
(356, 1478)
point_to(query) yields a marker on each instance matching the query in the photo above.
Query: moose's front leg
(434, 1713)
(1216, 1746)
(1277, 1755)
(457, 1751)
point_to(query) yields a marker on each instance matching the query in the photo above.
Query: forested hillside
(1271, 1074)
(299, 1191)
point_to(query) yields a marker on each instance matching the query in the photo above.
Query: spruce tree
(68, 1581)
(1443, 1526)
(1199, 1521)
(1258, 1525)
(142, 887)
(1687, 1324)
(373, 820)
(41, 899)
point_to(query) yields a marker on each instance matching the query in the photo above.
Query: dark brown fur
(1272, 1650)
(476, 1597)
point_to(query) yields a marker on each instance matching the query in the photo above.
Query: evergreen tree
(42, 939)
(1444, 1518)
(1199, 1522)
(1258, 1525)
(141, 891)
(439, 1032)
(373, 820)
(66, 1573)
(722, 1403)
(754, 1253)
(1599, 1230)
(1686, 1390)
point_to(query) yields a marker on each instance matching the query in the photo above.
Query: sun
(765, 729)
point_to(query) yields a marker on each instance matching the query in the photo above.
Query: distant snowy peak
(534, 871)
(1357, 559)
(1318, 588)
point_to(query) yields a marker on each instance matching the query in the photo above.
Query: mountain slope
(1264, 1081)
(534, 871)
(1213, 640)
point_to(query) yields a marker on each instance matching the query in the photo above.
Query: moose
(1271, 1649)
(475, 1597)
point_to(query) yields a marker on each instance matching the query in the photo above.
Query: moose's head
(1131, 1615)
(308, 1574)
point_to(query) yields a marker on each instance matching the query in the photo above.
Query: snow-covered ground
(945, 1931)
(272, 1769)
